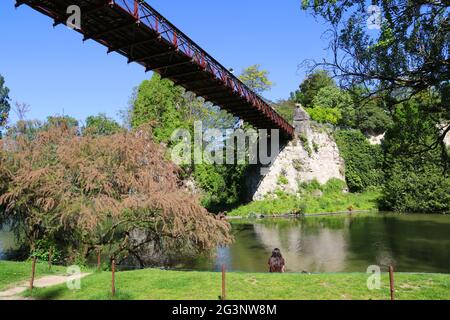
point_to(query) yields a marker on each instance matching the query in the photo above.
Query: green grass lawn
(157, 284)
(13, 272)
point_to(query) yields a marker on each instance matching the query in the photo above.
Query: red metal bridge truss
(135, 30)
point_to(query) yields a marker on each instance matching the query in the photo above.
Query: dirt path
(47, 281)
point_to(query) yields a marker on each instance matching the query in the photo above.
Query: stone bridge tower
(301, 121)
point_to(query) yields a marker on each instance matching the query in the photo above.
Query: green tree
(332, 97)
(28, 128)
(5, 105)
(372, 119)
(363, 162)
(369, 116)
(61, 121)
(332, 105)
(256, 79)
(416, 178)
(311, 86)
(159, 102)
(101, 125)
(407, 56)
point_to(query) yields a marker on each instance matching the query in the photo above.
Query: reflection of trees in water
(7, 242)
(383, 254)
(325, 250)
(247, 252)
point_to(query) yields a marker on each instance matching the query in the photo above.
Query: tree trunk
(99, 261)
(50, 258)
(113, 287)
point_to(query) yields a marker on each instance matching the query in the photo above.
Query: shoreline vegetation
(311, 199)
(162, 284)
(293, 215)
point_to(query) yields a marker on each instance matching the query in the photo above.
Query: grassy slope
(157, 284)
(14, 272)
(329, 202)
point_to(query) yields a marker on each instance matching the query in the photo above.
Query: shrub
(325, 115)
(334, 185)
(420, 189)
(310, 186)
(282, 180)
(363, 161)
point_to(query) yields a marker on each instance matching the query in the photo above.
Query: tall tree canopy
(407, 56)
(331, 104)
(168, 107)
(158, 101)
(64, 121)
(256, 79)
(311, 86)
(100, 125)
(416, 179)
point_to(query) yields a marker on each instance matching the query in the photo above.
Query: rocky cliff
(313, 154)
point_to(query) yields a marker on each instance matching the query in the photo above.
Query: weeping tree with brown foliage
(115, 191)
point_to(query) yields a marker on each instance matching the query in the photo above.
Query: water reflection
(323, 251)
(414, 243)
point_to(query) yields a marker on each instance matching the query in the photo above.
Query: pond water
(412, 243)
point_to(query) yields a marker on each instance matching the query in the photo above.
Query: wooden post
(50, 258)
(391, 282)
(113, 287)
(224, 292)
(33, 272)
(99, 262)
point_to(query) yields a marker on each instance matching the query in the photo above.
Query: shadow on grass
(55, 293)
(45, 294)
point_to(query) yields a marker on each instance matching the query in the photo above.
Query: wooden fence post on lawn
(50, 258)
(99, 262)
(391, 282)
(113, 287)
(224, 291)
(33, 272)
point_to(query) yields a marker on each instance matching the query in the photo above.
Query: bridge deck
(135, 30)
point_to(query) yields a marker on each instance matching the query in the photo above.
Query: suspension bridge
(137, 31)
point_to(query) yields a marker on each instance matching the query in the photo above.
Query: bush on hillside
(363, 161)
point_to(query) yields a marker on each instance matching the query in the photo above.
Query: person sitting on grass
(276, 261)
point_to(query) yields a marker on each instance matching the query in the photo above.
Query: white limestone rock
(314, 155)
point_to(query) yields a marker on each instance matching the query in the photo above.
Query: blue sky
(54, 71)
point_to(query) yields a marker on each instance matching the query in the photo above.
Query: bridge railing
(145, 14)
